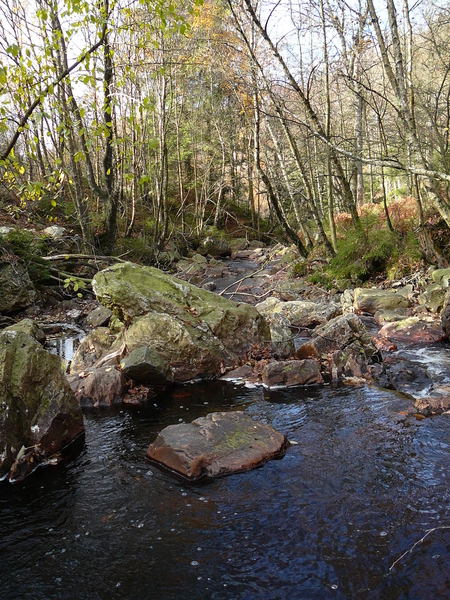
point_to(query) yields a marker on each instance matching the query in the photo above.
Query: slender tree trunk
(328, 131)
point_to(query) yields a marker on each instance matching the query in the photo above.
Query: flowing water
(362, 484)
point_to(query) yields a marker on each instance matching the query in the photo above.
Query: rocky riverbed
(148, 331)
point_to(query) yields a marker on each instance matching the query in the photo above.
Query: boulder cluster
(152, 330)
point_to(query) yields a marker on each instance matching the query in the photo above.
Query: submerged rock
(436, 403)
(218, 444)
(39, 414)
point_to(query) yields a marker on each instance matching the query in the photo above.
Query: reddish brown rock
(412, 331)
(291, 372)
(433, 405)
(98, 387)
(243, 373)
(216, 445)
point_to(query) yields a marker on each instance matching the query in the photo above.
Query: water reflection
(63, 346)
(361, 486)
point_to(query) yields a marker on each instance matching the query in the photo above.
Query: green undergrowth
(367, 251)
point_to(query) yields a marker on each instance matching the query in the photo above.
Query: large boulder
(372, 300)
(299, 313)
(39, 414)
(441, 277)
(215, 445)
(216, 246)
(280, 331)
(343, 332)
(29, 327)
(195, 331)
(16, 290)
(433, 297)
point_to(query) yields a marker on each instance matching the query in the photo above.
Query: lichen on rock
(39, 414)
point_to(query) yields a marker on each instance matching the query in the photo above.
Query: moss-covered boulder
(39, 414)
(445, 316)
(413, 331)
(441, 277)
(146, 365)
(433, 297)
(372, 300)
(195, 331)
(300, 313)
(291, 372)
(216, 246)
(30, 327)
(345, 332)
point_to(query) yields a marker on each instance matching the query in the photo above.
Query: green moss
(236, 440)
(298, 269)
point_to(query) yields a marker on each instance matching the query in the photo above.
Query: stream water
(342, 515)
(362, 484)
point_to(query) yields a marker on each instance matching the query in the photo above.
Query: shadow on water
(358, 487)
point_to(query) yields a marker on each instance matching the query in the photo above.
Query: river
(361, 484)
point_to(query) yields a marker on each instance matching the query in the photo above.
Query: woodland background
(145, 126)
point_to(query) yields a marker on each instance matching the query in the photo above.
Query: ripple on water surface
(358, 487)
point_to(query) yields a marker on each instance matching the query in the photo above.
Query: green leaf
(14, 50)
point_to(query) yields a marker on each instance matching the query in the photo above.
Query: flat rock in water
(219, 444)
